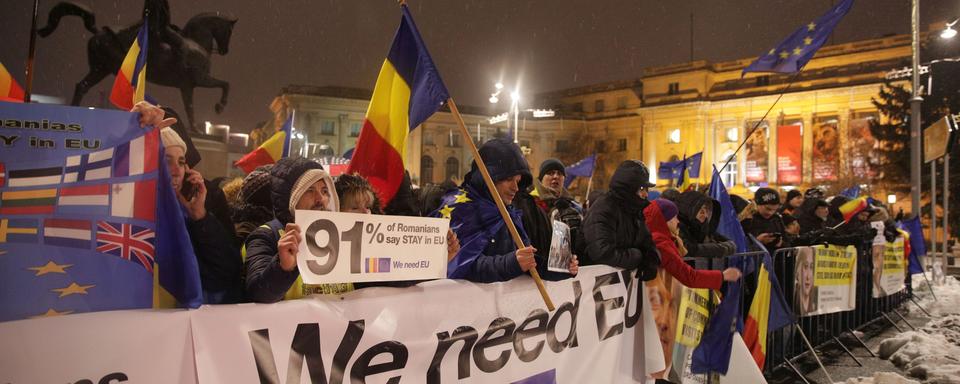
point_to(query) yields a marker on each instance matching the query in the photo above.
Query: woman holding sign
(271, 250)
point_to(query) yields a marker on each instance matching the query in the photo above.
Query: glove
(729, 247)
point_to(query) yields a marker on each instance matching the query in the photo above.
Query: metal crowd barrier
(785, 346)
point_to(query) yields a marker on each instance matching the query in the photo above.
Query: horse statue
(176, 57)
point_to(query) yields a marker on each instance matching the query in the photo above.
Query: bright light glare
(498, 85)
(515, 95)
(948, 33)
(493, 99)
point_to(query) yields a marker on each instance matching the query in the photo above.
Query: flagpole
(496, 199)
(586, 199)
(28, 89)
(762, 119)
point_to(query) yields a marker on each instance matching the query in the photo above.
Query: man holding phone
(766, 224)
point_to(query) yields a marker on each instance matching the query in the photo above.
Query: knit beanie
(667, 208)
(550, 165)
(256, 187)
(307, 179)
(170, 138)
(793, 193)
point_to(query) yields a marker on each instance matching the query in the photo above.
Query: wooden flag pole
(28, 86)
(496, 198)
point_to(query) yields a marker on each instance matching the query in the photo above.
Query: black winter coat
(701, 239)
(614, 229)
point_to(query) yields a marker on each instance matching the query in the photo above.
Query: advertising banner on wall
(789, 154)
(757, 150)
(826, 151)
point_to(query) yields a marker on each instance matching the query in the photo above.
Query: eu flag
(798, 48)
(729, 226)
(582, 168)
(716, 344)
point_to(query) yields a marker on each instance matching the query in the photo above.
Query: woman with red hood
(661, 219)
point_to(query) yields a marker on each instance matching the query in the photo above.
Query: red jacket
(670, 259)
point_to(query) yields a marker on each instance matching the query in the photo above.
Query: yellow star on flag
(797, 51)
(446, 211)
(50, 313)
(462, 198)
(50, 267)
(74, 288)
(807, 41)
(811, 26)
(784, 54)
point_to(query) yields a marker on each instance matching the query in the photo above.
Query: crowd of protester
(246, 240)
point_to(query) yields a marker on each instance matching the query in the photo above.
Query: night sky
(542, 45)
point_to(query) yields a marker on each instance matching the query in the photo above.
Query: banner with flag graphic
(408, 90)
(797, 49)
(130, 85)
(79, 227)
(271, 151)
(9, 89)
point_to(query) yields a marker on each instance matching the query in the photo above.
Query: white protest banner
(135, 346)
(825, 280)
(350, 248)
(889, 273)
(441, 331)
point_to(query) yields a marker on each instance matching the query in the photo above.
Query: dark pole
(691, 36)
(32, 53)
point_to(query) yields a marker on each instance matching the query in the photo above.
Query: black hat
(792, 194)
(814, 193)
(766, 196)
(550, 165)
(788, 219)
(821, 203)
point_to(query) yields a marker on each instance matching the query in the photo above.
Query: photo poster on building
(826, 150)
(892, 271)
(757, 153)
(790, 154)
(863, 149)
(825, 280)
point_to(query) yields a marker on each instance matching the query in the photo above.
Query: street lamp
(514, 108)
(949, 32)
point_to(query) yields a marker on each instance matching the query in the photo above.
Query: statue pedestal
(213, 152)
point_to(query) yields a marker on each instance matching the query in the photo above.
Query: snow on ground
(881, 378)
(931, 354)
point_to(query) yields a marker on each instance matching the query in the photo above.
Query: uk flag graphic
(127, 241)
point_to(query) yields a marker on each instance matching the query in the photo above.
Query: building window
(577, 107)
(622, 102)
(453, 168)
(355, 129)
(562, 146)
(673, 89)
(729, 173)
(600, 146)
(426, 170)
(731, 135)
(427, 139)
(598, 106)
(674, 136)
(328, 127)
(621, 145)
(454, 140)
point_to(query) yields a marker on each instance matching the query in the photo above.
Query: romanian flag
(9, 89)
(768, 311)
(272, 150)
(852, 208)
(131, 82)
(408, 90)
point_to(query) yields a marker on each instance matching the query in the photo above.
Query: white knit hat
(309, 178)
(170, 138)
